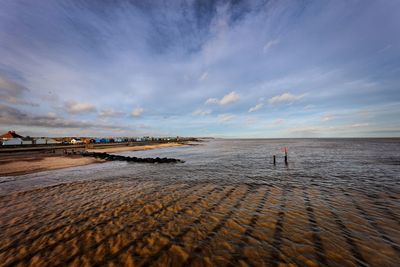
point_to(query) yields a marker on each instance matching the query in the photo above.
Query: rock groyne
(111, 157)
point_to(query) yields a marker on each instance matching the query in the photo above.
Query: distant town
(11, 138)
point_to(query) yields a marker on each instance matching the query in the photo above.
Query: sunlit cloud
(110, 113)
(285, 98)
(201, 112)
(256, 107)
(79, 107)
(328, 129)
(224, 118)
(227, 99)
(327, 117)
(137, 112)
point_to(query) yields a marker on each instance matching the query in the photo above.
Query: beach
(24, 163)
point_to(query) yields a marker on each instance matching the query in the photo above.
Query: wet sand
(25, 163)
(152, 223)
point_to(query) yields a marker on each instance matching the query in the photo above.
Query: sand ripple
(132, 223)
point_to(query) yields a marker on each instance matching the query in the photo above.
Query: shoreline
(16, 165)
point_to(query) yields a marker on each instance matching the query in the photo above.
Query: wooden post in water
(286, 152)
(274, 159)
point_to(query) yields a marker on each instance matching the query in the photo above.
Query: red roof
(9, 135)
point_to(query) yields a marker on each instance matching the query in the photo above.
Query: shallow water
(335, 204)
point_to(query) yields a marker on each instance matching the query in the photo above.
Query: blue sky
(200, 68)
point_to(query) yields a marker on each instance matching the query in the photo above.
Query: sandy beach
(25, 165)
(28, 163)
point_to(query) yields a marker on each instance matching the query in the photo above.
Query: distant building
(27, 141)
(12, 142)
(40, 141)
(10, 135)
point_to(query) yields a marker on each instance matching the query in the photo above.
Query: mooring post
(286, 152)
(286, 158)
(274, 159)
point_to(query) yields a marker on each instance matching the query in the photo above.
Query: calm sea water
(336, 203)
(368, 164)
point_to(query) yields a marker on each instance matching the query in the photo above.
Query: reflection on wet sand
(152, 223)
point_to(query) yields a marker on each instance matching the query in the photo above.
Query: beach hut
(12, 142)
(51, 141)
(40, 141)
(76, 141)
(27, 141)
(89, 141)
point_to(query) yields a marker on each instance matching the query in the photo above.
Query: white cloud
(385, 48)
(110, 113)
(327, 117)
(79, 107)
(137, 112)
(225, 118)
(270, 44)
(200, 112)
(308, 107)
(285, 98)
(357, 125)
(203, 76)
(256, 107)
(230, 98)
(212, 101)
(328, 129)
(227, 99)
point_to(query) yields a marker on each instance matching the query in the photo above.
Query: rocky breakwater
(111, 157)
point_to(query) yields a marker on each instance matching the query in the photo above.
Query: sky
(250, 69)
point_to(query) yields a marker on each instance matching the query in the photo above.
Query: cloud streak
(256, 107)
(285, 98)
(227, 99)
(137, 112)
(79, 107)
(224, 118)
(14, 93)
(13, 116)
